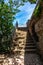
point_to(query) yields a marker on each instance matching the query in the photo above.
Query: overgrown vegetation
(7, 13)
(32, 1)
(37, 11)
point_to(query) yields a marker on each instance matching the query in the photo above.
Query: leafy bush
(6, 26)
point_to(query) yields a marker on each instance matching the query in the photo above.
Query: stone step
(30, 38)
(30, 47)
(23, 50)
(21, 36)
(29, 41)
(27, 47)
(21, 33)
(26, 51)
(30, 50)
(30, 44)
(34, 51)
(21, 42)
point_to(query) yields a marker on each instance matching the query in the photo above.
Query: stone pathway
(32, 59)
(22, 51)
(27, 59)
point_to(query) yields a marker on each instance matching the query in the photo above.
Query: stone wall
(38, 25)
(39, 31)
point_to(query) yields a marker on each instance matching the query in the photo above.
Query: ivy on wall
(37, 11)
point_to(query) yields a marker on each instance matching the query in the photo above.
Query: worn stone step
(17, 38)
(30, 44)
(20, 42)
(25, 50)
(20, 36)
(30, 47)
(29, 41)
(29, 38)
(19, 33)
(31, 51)
(27, 47)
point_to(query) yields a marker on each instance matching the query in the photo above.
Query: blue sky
(25, 14)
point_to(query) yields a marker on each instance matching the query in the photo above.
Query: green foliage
(41, 0)
(37, 11)
(32, 1)
(7, 13)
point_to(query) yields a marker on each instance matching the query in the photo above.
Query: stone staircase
(26, 47)
(24, 42)
(20, 41)
(30, 45)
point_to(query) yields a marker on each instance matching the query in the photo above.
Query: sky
(25, 14)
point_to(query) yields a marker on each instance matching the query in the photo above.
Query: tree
(7, 13)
